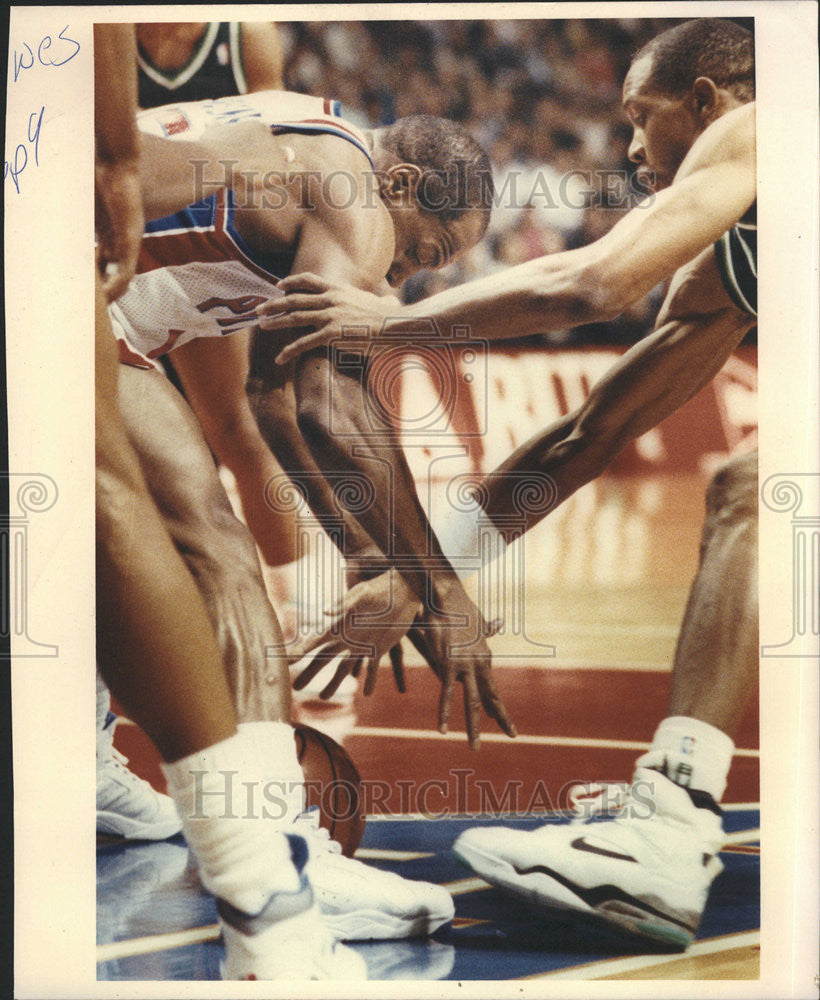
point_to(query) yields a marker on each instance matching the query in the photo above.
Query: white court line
(525, 740)
(741, 837)
(617, 966)
(465, 885)
(382, 854)
(156, 942)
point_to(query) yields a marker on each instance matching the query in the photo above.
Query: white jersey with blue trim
(196, 277)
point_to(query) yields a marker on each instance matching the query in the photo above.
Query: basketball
(333, 784)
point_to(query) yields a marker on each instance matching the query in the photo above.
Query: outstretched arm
(713, 188)
(337, 425)
(696, 331)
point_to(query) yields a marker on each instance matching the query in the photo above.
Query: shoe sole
(115, 825)
(545, 892)
(374, 925)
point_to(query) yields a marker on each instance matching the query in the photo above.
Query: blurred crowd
(542, 97)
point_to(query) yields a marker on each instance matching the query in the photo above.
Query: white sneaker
(362, 903)
(648, 871)
(287, 939)
(127, 806)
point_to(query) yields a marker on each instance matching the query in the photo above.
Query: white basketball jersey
(196, 276)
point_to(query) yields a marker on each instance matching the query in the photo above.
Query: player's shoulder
(728, 142)
(734, 131)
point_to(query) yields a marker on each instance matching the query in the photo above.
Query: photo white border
(49, 296)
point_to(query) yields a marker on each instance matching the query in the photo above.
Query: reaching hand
(459, 653)
(311, 301)
(119, 223)
(371, 620)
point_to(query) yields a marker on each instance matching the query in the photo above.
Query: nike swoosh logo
(581, 844)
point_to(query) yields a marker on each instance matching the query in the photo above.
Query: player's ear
(401, 181)
(705, 99)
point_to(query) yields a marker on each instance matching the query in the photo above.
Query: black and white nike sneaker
(647, 871)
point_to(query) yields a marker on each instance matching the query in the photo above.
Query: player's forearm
(541, 296)
(648, 383)
(275, 412)
(115, 93)
(350, 440)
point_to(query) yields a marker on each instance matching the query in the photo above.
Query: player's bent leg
(716, 660)
(154, 640)
(357, 901)
(214, 373)
(158, 653)
(649, 871)
(218, 549)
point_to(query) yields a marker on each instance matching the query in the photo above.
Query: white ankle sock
(242, 857)
(467, 537)
(692, 754)
(283, 794)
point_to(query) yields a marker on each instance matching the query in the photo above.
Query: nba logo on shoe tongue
(687, 744)
(222, 54)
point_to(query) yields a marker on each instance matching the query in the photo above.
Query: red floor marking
(604, 704)
(599, 704)
(143, 759)
(402, 775)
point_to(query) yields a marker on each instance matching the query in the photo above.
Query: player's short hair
(720, 50)
(456, 172)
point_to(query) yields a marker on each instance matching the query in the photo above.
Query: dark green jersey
(736, 253)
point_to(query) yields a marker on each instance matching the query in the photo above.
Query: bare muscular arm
(337, 426)
(696, 331)
(119, 221)
(713, 188)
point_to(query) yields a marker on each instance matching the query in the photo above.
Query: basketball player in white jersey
(156, 647)
(304, 189)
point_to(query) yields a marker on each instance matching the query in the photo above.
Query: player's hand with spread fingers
(454, 641)
(369, 622)
(329, 310)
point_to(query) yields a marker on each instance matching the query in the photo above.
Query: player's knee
(732, 493)
(312, 411)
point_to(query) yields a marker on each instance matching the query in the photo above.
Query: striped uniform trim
(175, 80)
(203, 232)
(736, 254)
(311, 126)
(237, 62)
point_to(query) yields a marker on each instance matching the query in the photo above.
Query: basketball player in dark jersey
(195, 62)
(689, 95)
